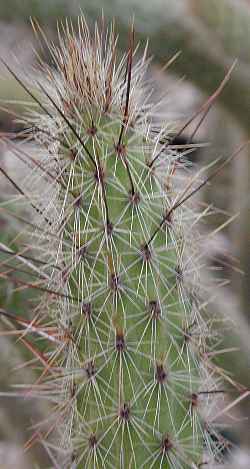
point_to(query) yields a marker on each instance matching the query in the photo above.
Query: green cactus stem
(124, 341)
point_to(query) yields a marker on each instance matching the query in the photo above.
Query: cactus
(121, 334)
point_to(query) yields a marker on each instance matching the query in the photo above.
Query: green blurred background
(210, 34)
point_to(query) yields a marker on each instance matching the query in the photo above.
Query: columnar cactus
(124, 354)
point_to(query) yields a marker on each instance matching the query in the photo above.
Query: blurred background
(210, 34)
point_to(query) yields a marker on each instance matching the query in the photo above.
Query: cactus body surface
(124, 337)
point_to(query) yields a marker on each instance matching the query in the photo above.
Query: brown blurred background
(210, 34)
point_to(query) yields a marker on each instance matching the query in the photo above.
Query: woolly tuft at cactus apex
(120, 339)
